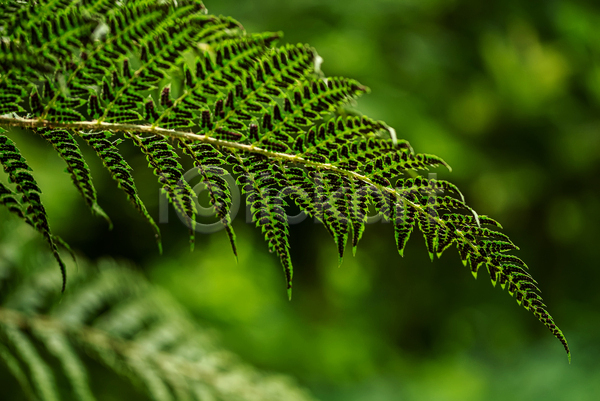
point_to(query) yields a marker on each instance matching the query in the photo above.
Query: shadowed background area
(508, 93)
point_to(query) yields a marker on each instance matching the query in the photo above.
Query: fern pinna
(167, 75)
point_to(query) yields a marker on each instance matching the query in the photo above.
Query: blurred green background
(508, 93)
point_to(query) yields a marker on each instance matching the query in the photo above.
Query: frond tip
(164, 74)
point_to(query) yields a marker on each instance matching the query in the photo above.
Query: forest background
(508, 93)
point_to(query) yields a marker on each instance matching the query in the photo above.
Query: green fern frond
(153, 70)
(116, 318)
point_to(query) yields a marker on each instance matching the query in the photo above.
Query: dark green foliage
(158, 70)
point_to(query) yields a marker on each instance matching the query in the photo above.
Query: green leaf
(159, 71)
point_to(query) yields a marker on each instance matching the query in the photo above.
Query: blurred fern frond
(116, 318)
(166, 75)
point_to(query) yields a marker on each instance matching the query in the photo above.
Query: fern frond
(118, 319)
(153, 70)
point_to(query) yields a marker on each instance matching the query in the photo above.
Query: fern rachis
(167, 75)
